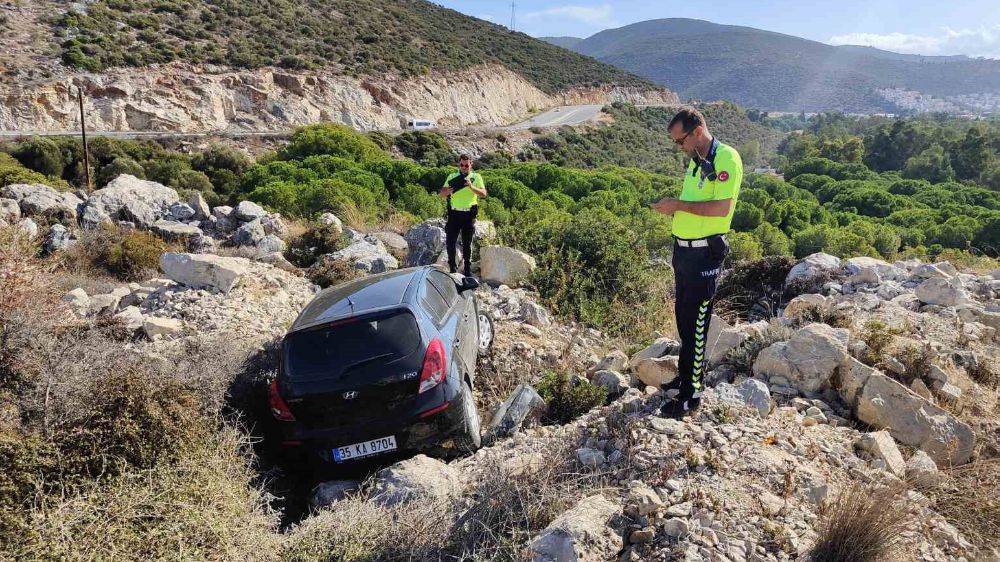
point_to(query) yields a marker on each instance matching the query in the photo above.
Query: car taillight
(435, 366)
(279, 409)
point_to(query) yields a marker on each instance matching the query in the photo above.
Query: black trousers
(464, 223)
(696, 271)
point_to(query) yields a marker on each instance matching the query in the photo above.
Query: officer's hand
(667, 206)
(446, 191)
(468, 182)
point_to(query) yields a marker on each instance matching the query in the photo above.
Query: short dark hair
(689, 118)
(464, 157)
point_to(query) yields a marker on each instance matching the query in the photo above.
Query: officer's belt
(699, 243)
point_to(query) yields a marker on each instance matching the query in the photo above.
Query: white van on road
(420, 124)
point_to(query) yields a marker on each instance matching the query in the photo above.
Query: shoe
(674, 385)
(680, 407)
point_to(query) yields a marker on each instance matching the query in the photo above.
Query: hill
(357, 37)
(564, 42)
(774, 71)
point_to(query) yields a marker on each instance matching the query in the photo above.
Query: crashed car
(383, 364)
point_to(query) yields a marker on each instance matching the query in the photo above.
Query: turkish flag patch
(723, 176)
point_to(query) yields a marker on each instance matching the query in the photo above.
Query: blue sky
(968, 27)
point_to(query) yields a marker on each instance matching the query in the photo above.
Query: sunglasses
(680, 141)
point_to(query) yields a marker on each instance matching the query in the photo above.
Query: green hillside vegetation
(756, 68)
(358, 37)
(591, 229)
(638, 138)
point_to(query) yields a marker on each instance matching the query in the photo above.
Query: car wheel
(469, 439)
(486, 333)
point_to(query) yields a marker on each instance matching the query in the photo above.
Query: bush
(11, 171)
(567, 398)
(316, 241)
(879, 338)
(862, 525)
(130, 256)
(742, 358)
(754, 289)
(333, 272)
(332, 139)
(119, 166)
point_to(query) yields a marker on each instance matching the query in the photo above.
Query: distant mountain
(773, 71)
(564, 42)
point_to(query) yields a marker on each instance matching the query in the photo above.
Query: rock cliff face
(184, 98)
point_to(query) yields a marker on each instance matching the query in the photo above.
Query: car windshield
(333, 351)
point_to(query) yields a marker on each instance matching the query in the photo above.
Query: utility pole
(513, 10)
(83, 131)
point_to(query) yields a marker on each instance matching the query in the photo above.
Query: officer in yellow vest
(701, 219)
(463, 190)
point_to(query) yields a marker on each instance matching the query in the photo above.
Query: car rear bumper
(418, 432)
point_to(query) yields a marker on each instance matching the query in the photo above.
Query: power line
(513, 11)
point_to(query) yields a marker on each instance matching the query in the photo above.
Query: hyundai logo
(350, 395)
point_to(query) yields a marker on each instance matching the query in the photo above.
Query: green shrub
(318, 240)
(568, 398)
(11, 172)
(130, 256)
(332, 139)
(879, 338)
(119, 166)
(744, 247)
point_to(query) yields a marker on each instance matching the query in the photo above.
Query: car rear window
(332, 350)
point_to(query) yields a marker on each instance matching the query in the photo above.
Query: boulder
(728, 340)
(393, 241)
(201, 209)
(751, 392)
(851, 378)
(58, 239)
(535, 314)
(484, 230)
(803, 303)
(808, 359)
(882, 446)
(921, 470)
(201, 271)
(585, 533)
(330, 219)
(249, 234)
(10, 210)
(173, 230)
(156, 327)
(366, 253)
(277, 259)
(272, 244)
(942, 292)
(522, 404)
(812, 266)
(425, 242)
(223, 212)
(591, 457)
(930, 271)
(28, 228)
(131, 199)
(885, 270)
(615, 382)
(616, 360)
(501, 265)
(659, 348)
(182, 211)
(886, 404)
(274, 225)
(326, 494)
(974, 313)
(42, 201)
(867, 276)
(657, 371)
(78, 302)
(202, 244)
(131, 317)
(247, 211)
(420, 477)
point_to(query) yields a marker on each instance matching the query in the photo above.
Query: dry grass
(654, 313)
(202, 507)
(742, 357)
(969, 497)
(863, 524)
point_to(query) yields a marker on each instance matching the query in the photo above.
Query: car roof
(363, 295)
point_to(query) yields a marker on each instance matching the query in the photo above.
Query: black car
(383, 363)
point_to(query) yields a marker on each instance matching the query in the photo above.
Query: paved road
(563, 115)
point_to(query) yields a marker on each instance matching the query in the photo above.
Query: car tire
(469, 438)
(486, 333)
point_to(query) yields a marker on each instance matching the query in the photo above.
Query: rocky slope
(881, 384)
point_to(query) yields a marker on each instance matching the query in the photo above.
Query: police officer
(701, 219)
(463, 190)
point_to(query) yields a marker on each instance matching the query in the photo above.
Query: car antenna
(350, 302)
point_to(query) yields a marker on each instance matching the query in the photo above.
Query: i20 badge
(350, 395)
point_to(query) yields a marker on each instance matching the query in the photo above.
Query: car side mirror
(468, 284)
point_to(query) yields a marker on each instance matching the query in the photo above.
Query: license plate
(364, 449)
